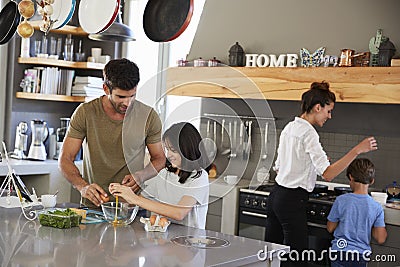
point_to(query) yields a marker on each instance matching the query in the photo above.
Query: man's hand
(132, 182)
(94, 193)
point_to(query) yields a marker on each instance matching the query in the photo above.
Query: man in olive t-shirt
(114, 131)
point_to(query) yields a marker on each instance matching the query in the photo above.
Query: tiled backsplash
(386, 159)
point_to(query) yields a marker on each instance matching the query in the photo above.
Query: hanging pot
(165, 20)
(9, 20)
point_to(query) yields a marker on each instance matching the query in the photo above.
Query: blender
(37, 150)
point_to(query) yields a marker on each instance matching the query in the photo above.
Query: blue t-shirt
(356, 215)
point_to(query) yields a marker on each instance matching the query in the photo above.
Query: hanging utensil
(248, 148)
(209, 143)
(215, 137)
(226, 151)
(264, 156)
(163, 21)
(234, 141)
(9, 20)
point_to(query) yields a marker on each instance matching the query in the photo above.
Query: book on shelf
(52, 80)
(89, 80)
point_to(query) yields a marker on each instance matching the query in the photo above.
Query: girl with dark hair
(299, 160)
(181, 188)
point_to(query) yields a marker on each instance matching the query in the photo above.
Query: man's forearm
(151, 170)
(72, 174)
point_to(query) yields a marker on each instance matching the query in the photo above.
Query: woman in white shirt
(299, 160)
(181, 189)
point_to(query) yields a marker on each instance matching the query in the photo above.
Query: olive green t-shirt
(113, 148)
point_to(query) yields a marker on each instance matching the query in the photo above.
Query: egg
(163, 222)
(152, 219)
(105, 199)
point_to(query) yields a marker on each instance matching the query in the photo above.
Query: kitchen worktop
(27, 243)
(44, 176)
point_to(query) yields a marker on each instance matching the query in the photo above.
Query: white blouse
(300, 156)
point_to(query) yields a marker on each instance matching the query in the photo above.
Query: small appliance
(39, 129)
(60, 134)
(21, 139)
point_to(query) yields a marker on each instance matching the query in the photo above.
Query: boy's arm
(331, 226)
(379, 234)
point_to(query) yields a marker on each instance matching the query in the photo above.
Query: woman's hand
(367, 145)
(124, 192)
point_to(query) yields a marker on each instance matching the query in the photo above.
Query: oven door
(319, 240)
(251, 223)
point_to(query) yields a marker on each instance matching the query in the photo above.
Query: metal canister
(346, 58)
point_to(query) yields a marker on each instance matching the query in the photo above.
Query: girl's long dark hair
(187, 141)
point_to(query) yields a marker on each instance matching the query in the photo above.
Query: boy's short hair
(362, 170)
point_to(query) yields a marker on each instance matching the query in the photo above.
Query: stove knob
(263, 204)
(255, 203)
(312, 212)
(247, 202)
(322, 213)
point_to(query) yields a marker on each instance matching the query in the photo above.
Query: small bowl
(126, 213)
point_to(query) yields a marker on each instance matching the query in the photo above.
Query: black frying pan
(165, 20)
(9, 20)
(342, 190)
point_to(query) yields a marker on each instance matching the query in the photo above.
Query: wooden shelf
(61, 63)
(62, 98)
(66, 29)
(379, 85)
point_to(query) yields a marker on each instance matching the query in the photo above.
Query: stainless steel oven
(252, 214)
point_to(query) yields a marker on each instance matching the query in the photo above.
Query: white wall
(153, 58)
(285, 26)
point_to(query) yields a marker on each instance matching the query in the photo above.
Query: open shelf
(380, 85)
(66, 29)
(61, 63)
(62, 98)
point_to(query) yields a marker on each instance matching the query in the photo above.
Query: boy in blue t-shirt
(354, 217)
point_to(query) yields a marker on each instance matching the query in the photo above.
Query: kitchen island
(27, 243)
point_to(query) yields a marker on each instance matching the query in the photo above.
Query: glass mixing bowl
(121, 214)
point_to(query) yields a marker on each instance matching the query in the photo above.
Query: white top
(166, 188)
(300, 156)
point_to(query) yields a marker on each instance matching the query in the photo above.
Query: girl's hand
(123, 191)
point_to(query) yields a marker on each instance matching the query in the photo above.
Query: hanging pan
(9, 20)
(165, 20)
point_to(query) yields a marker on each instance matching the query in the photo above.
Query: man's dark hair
(121, 73)
(362, 170)
(318, 93)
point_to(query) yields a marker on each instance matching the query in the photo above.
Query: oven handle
(254, 214)
(316, 225)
